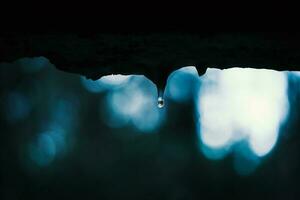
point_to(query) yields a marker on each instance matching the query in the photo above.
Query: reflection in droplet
(160, 102)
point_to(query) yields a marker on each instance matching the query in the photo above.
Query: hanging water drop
(160, 102)
(160, 99)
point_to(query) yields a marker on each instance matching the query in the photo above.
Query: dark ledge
(154, 55)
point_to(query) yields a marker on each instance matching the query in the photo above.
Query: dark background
(105, 163)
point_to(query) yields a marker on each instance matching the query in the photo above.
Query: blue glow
(55, 141)
(48, 145)
(104, 83)
(134, 103)
(214, 153)
(43, 151)
(32, 65)
(92, 86)
(63, 112)
(241, 104)
(296, 73)
(114, 80)
(58, 136)
(17, 107)
(181, 84)
(245, 161)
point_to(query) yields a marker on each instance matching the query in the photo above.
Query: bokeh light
(104, 83)
(43, 150)
(135, 103)
(241, 104)
(245, 161)
(181, 84)
(49, 145)
(239, 111)
(114, 79)
(296, 73)
(92, 86)
(17, 106)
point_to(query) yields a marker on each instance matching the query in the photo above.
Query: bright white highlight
(135, 103)
(104, 83)
(296, 73)
(242, 104)
(114, 79)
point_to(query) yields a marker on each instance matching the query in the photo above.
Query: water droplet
(160, 102)
(160, 99)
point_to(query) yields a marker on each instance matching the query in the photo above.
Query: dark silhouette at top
(154, 55)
